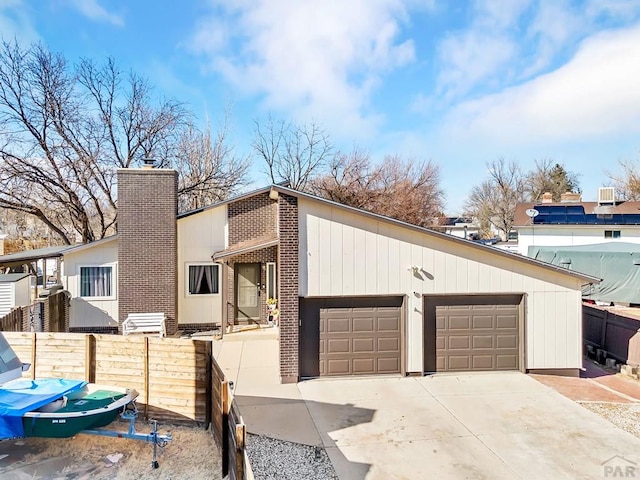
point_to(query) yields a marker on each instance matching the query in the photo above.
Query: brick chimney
(547, 197)
(570, 197)
(147, 243)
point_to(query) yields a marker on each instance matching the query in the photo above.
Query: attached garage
(351, 336)
(473, 333)
(461, 306)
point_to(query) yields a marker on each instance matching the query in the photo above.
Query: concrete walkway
(485, 425)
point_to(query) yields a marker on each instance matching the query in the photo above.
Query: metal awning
(246, 247)
(28, 256)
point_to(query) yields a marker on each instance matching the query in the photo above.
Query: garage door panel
(389, 345)
(458, 322)
(366, 324)
(338, 367)
(482, 362)
(508, 322)
(338, 325)
(483, 341)
(507, 362)
(361, 345)
(367, 340)
(388, 365)
(506, 341)
(476, 337)
(456, 362)
(337, 345)
(459, 342)
(482, 321)
(389, 324)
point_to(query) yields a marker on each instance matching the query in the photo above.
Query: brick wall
(288, 287)
(251, 218)
(147, 243)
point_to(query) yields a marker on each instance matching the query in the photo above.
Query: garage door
(473, 333)
(360, 341)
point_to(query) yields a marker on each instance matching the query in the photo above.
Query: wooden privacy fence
(618, 335)
(171, 375)
(178, 380)
(12, 322)
(49, 314)
(228, 428)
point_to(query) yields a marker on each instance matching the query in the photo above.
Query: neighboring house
(15, 291)
(358, 293)
(598, 238)
(461, 227)
(574, 222)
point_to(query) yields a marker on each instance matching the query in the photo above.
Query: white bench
(145, 323)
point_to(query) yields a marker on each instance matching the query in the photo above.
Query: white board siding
(383, 254)
(7, 297)
(561, 236)
(91, 313)
(199, 236)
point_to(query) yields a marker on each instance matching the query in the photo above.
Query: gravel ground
(623, 415)
(273, 459)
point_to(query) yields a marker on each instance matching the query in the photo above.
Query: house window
(204, 279)
(612, 234)
(271, 280)
(97, 281)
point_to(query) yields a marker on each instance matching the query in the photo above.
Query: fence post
(33, 355)
(146, 376)
(209, 386)
(240, 441)
(90, 358)
(225, 426)
(603, 335)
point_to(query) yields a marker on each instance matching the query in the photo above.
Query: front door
(247, 291)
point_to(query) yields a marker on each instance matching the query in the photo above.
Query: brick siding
(252, 218)
(147, 243)
(288, 288)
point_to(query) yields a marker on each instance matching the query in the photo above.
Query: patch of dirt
(191, 454)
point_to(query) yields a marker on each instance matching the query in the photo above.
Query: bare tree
(292, 153)
(549, 176)
(493, 202)
(626, 181)
(405, 190)
(351, 180)
(64, 130)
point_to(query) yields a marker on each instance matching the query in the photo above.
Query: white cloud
(596, 94)
(317, 60)
(93, 10)
(15, 22)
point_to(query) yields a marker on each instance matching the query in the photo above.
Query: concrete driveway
(485, 425)
(480, 425)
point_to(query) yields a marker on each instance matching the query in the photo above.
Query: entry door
(247, 291)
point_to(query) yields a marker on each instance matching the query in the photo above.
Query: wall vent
(606, 195)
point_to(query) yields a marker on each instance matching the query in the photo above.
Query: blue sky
(458, 82)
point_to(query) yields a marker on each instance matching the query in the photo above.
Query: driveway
(480, 425)
(484, 425)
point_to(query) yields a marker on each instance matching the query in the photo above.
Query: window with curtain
(96, 281)
(204, 279)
